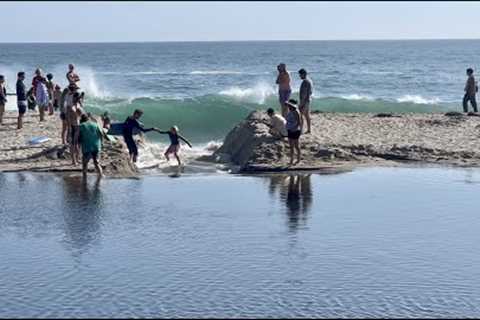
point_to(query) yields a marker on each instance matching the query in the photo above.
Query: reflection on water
(83, 205)
(295, 191)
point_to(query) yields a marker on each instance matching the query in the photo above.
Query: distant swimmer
(277, 124)
(72, 77)
(471, 89)
(174, 147)
(305, 97)
(91, 141)
(129, 125)
(294, 129)
(284, 89)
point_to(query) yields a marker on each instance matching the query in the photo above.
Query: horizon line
(211, 41)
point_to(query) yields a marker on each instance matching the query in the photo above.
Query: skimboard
(116, 129)
(38, 140)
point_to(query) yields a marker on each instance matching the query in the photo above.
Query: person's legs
(41, 110)
(291, 144)
(64, 132)
(95, 157)
(75, 148)
(2, 110)
(178, 158)
(473, 101)
(85, 160)
(50, 108)
(297, 147)
(22, 108)
(465, 103)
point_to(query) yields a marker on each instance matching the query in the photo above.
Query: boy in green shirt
(91, 142)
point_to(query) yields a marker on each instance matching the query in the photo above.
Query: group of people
(80, 130)
(290, 122)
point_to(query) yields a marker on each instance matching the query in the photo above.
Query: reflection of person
(284, 89)
(305, 97)
(470, 92)
(277, 124)
(296, 191)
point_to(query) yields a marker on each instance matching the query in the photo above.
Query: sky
(236, 21)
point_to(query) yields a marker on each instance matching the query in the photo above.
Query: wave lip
(257, 94)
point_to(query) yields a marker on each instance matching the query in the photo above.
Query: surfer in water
(130, 124)
(174, 147)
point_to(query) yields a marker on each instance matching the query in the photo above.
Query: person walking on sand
(41, 96)
(277, 124)
(3, 97)
(73, 112)
(284, 89)
(305, 97)
(294, 128)
(72, 77)
(471, 89)
(21, 92)
(130, 124)
(174, 147)
(51, 90)
(91, 141)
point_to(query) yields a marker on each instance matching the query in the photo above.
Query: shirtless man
(284, 89)
(305, 97)
(72, 77)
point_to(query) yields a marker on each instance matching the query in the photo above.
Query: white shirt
(278, 123)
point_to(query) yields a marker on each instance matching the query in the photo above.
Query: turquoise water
(206, 88)
(380, 242)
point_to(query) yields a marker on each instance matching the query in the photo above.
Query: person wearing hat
(294, 129)
(305, 97)
(174, 147)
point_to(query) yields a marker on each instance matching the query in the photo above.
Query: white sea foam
(418, 99)
(357, 97)
(257, 94)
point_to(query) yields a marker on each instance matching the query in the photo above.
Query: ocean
(206, 88)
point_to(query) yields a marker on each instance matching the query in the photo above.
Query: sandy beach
(360, 139)
(51, 156)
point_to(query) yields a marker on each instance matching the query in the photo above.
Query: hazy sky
(212, 21)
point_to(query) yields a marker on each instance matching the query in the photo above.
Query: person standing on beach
(305, 97)
(57, 97)
(284, 89)
(40, 91)
(470, 92)
(91, 141)
(21, 91)
(51, 89)
(130, 124)
(294, 128)
(3, 97)
(72, 77)
(73, 111)
(277, 124)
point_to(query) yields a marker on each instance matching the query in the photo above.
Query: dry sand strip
(356, 139)
(16, 154)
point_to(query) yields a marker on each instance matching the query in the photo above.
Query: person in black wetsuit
(129, 125)
(174, 143)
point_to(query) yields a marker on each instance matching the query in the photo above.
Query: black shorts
(22, 107)
(294, 135)
(63, 117)
(131, 145)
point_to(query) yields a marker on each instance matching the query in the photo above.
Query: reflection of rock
(340, 140)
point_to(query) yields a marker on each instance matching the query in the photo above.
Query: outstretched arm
(185, 140)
